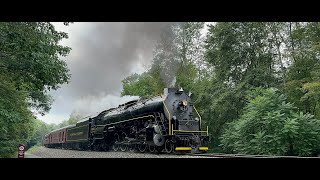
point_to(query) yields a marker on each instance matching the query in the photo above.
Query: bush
(271, 126)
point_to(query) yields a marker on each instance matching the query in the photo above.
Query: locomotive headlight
(196, 119)
(184, 102)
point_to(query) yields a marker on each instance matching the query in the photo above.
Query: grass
(13, 155)
(33, 148)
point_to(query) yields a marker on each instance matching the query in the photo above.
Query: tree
(303, 75)
(189, 45)
(31, 65)
(177, 56)
(145, 85)
(235, 58)
(30, 57)
(15, 119)
(62, 124)
(240, 52)
(165, 56)
(73, 119)
(40, 130)
(241, 57)
(270, 125)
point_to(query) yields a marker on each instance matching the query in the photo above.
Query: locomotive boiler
(169, 123)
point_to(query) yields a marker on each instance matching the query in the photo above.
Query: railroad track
(62, 153)
(244, 156)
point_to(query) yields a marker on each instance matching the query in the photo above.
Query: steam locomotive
(167, 123)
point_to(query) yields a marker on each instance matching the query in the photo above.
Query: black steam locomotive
(167, 123)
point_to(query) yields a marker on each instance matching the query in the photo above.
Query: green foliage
(40, 129)
(241, 58)
(231, 67)
(30, 56)
(189, 46)
(30, 66)
(73, 119)
(15, 119)
(239, 53)
(304, 73)
(186, 76)
(62, 124)
(176, 59)
(33, 149)
(218, 104)
(271, 126)
(144, 85)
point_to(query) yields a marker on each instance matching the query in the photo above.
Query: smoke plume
(102, 55)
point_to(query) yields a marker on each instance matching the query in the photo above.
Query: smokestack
(169, 90)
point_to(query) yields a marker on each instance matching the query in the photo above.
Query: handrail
(169, 117)
(198, 115)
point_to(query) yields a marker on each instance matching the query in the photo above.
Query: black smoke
(102, 55)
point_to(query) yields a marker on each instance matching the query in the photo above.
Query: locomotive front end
(185, 122)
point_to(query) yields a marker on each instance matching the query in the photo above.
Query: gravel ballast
(44, 152)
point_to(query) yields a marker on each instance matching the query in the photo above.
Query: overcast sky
(102, 55)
